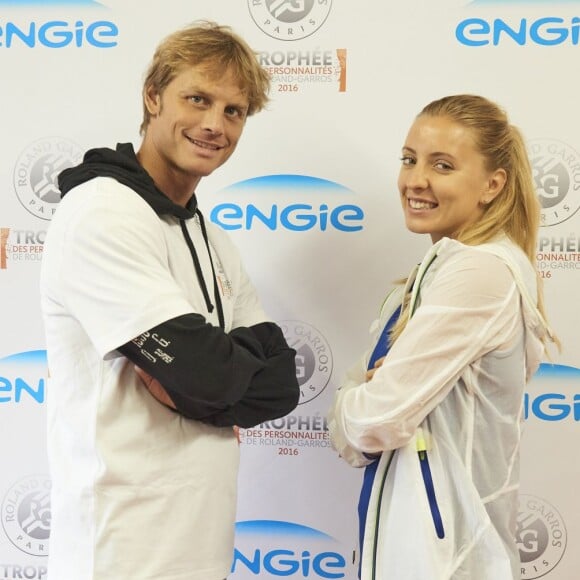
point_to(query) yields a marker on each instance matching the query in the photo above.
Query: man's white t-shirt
(139, 493)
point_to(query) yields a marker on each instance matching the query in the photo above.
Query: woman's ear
(495, 185)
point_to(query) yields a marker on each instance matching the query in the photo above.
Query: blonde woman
(434, 411)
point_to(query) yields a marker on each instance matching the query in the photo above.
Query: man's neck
(177, 186)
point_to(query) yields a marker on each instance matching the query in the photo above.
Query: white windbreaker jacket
(445, 411)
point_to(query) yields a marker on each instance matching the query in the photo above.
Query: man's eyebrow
(244, 105)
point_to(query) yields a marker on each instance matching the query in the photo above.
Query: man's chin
(203, 169)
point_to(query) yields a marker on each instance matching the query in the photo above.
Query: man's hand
(370, 373)
(155, 388)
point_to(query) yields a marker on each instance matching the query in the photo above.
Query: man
(137, 290)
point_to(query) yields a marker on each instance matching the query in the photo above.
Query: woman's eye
(407, 160)
(443, 165)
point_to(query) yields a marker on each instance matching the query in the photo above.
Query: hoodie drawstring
(198, 270)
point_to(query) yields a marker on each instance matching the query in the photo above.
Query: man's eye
(233, 112)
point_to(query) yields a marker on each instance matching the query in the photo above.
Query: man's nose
(213, 120)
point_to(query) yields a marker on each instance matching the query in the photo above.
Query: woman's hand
(371, 373)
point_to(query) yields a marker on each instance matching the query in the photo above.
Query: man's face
(196, 122)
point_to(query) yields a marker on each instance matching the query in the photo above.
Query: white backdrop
(310, 199)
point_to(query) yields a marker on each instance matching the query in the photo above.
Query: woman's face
(443, 181)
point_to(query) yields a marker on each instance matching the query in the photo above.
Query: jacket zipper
(378, 516)
(426, 471)
(429, 486)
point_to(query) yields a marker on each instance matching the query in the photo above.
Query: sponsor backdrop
(310, 198)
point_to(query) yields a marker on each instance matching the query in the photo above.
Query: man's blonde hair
(216, 48)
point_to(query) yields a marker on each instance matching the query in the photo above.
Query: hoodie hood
(538, 332)
(121, 164)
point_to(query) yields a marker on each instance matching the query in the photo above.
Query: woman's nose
(416, 177)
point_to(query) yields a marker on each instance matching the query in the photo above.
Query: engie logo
(23, 377)
(75, 33)
(553, 394)
(317, 208)
(544, 31)
(548, 31)
(287, 549)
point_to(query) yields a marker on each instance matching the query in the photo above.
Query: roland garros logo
(313, 358)
(556, 168)
(36, 172)
(289, 19)
(541, 536)
(26, 515)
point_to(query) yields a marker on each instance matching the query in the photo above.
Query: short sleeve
(248, 309)
(115, 277)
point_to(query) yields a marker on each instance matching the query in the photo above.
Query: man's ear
(152, 100)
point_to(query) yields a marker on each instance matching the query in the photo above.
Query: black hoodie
(239, 378)
(121, 164)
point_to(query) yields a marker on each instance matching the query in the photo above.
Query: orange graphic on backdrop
(341, 54)
(4, 232)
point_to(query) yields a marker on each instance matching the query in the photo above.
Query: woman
(437, 420)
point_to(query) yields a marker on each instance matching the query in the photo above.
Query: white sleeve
(353, 378)
(248, 309)
(470, 308)
(115, 277)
